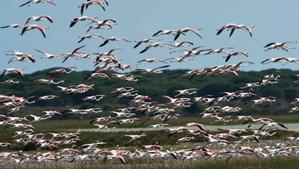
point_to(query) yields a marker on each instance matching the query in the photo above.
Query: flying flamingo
(85, 5)
(32, 27)
(39, 18)
(13, 70)
(185, 30)
(28, 3)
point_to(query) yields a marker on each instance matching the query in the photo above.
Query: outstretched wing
(26, 3)
(73, 23)
(177, 35)
(231, 32)
(220, 30)
(42, 30)
(104, 43)
(269, 44)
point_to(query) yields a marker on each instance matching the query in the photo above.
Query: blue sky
(139, 19)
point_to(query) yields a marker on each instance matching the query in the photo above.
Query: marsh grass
(237, 163)
(119, 139)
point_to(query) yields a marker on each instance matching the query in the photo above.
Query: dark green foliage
(156, 86)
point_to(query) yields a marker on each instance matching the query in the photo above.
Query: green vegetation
(155, 86)
(247, 163)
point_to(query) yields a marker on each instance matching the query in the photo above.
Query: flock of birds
(229, 143)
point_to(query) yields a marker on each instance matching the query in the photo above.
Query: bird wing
(26, 3)
(220, 30)
(269, 44)
(7, 26)
(160, 67)
(3, 73)
(106, 2)
(65, 59)
(141, 60)
(42, 30)
(10, 60)
(50, 2)
(101, 5)
(145, 49)
(279, 59)
(50, 19)
(40, 51)
(138, 44)
(89, 29)
(196, 33)
(177, 35)
(228, 57)
(245, 54)
(231, 32)
(92, 121)
(282, 125)
(20, 73)
(265, 61)
(209, 52)
(187, 42)
(82, 39)
(248, 30)
(24, 30)
(82, 8)
(74, 21)
(104, 43)
(28, 20)
(31, 59)
(157, 33)
(77, 49)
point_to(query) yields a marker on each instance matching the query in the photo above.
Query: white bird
(49, 81)
(107, 24)
(134, 137)
(232, 27)
(185, 30)
(20, 56)
(13, 26)
(189, 91)
(101, 126)
(235, 53)
(82, 18)
(32, 27)
(153, 45)
(48, 55)
(28, 3)
(165, 32)
(151, 60)
(47, 97)
(154, 70)
(39, 18)
(88, 3)
(9, 81)
(180, 44)
(59, 71)
(12, 70)
(88, 36)
(111, 39)
(280, 59)
(73, 53)
(94, 98)
(219, 50)
(279, 45)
